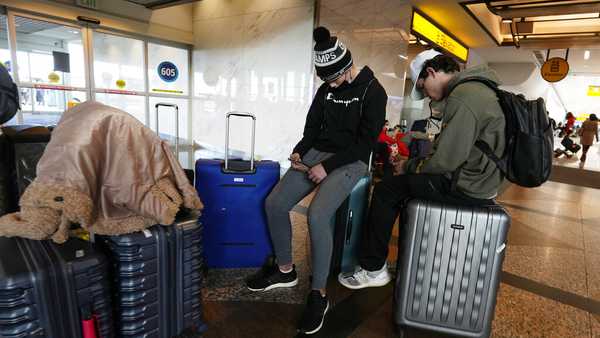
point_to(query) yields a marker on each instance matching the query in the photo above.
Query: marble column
(377, 34)
(253, 56)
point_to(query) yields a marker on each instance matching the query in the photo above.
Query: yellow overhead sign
(594, 91)
(583, 117)
(428, 30)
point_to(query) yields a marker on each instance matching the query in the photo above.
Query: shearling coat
(106, 171)
(588, 132)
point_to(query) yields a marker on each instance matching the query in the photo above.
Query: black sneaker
(314, 313)
(270, 277)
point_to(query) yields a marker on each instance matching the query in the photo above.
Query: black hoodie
(335, 123)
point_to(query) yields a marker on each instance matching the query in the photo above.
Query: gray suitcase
(449, 265)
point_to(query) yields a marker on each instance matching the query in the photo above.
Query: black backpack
(527, 158)
(9, 96)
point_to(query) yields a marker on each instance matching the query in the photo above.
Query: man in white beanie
(455, 171)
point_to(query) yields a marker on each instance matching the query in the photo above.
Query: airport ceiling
(451, 15)
(487, 23)
(527, 23)
(157, 4)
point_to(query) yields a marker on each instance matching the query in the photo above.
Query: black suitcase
(157, 275)
(570, 145)
(21, 147)
(8, 187)
(45, 288)
(449, 265)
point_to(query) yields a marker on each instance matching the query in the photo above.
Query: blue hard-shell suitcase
(46, 288)
(234, 193)
(157, 276)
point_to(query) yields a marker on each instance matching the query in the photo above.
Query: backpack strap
(485, 148)
(362, 100)
(487, 82)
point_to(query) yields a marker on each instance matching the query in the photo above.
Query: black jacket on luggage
(21, 147)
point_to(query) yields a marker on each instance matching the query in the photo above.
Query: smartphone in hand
(299, 165)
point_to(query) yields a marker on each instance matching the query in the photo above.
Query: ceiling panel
(156, 4)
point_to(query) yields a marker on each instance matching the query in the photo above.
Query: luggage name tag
(79, 253)
(147, 233)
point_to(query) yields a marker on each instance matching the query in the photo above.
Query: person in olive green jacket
(455, 171)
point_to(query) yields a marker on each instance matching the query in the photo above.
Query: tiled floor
(550, 286)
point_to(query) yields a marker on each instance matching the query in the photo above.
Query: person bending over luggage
(456, 171)
(343, 122)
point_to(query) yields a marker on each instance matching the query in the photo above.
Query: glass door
(59, 64)
(48, 64)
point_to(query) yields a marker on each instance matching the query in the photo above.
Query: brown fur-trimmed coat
(106, 171)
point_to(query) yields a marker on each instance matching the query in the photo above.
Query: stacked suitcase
(157, 277)
(449, 267)
(45, 288)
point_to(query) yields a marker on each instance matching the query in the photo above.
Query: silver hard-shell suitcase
(449, 266)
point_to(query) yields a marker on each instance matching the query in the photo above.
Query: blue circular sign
(167, 71)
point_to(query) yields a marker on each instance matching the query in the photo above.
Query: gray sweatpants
(292, 188)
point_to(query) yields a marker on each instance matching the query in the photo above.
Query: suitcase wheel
(401, 330)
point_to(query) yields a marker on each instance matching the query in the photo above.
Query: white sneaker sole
(275, 286)
(321, 324)
(372, 284)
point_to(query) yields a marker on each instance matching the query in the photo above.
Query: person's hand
(399, 167)
(317, 173)
(295, 161)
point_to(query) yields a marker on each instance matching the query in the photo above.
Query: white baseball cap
(416, 65)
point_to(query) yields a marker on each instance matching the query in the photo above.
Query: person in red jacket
(402, 147)
(570, 123)
(384, 151)
(385, 138)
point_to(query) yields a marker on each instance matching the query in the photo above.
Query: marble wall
(377, 34)
(252, 56)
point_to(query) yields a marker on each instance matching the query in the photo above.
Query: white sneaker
(360, 279)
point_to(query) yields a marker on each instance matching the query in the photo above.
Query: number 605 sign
(167, 71)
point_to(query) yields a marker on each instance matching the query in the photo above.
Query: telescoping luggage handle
(240, 114)
(174, 106)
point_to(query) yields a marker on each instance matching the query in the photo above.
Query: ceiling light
(506, 20)
(586, 55)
